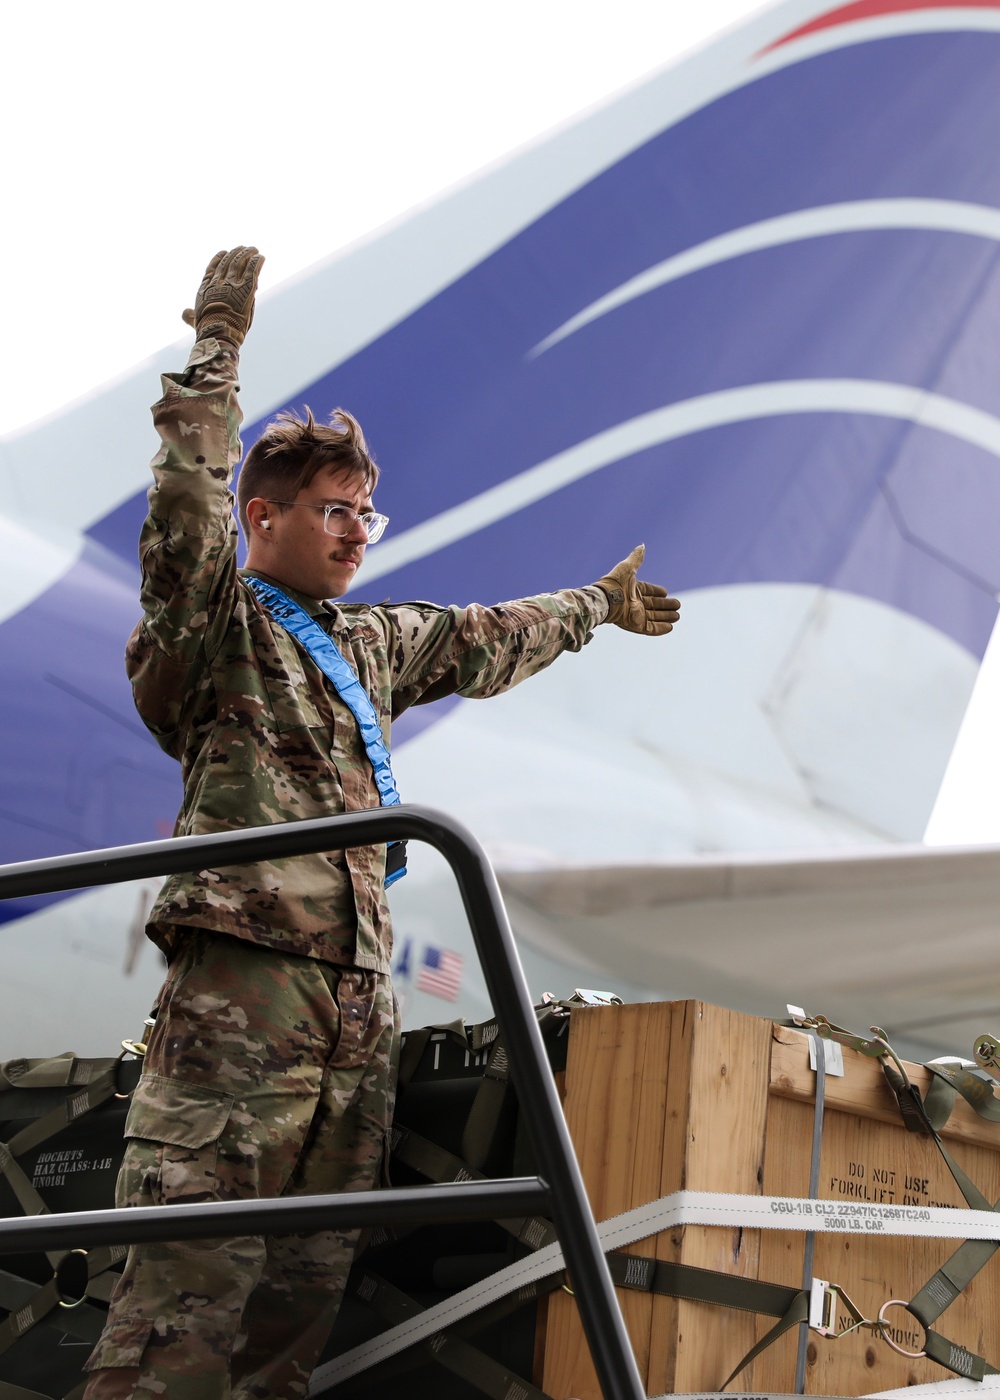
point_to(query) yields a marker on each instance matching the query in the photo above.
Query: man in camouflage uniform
(269, 1070)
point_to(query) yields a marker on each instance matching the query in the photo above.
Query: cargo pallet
(703, 1138)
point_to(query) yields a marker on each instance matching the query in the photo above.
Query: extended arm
(480, 651)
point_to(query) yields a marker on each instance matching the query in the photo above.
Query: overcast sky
(140, 138)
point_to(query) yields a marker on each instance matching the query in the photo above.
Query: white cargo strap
(680, 1208)
(954, 1386)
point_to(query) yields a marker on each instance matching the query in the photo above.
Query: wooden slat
(716, 1116)
(616, 1076)
(863, 1088)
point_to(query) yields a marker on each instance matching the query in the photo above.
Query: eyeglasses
(340, 520)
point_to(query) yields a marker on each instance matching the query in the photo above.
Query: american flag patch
(440, 973)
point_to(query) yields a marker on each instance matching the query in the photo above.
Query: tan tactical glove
(637, 606)
(224, 304)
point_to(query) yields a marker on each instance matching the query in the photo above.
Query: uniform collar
(327, 613)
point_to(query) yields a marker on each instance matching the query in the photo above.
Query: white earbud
(265, 524)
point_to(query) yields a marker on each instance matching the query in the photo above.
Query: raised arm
(188, 542)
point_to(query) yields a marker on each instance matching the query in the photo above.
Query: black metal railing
(560, 1189)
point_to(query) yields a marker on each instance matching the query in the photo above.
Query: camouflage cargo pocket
(122, 1344)
(173, 1130)
(292, 705)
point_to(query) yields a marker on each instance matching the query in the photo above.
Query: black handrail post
(600, 1313)
(610, 1349)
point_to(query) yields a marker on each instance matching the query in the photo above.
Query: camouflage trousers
(265, 1075)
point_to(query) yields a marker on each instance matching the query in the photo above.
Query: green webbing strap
(451, 1352)
(797, 1313)
(58, 1072)
(438, 1164)
(484, 1115)
(17, 1392)
(953, 1077)
(480, 1128)
(947, 1283)
(907, 1096)
(641, 1274)
(955, 1358)
(939, 1100)
(411, 1053)
(100, 1260)
(27, 1197)
(916, 1120)
(74, 1106)
(416, 1042)
(15, 1291)
(427, 1158)
(482, 1034)
(474, 1367)
(43, 1301)
(72, 1276)
(941, 1290)
(102, 1285)
(84, 1322)
(694, 1285)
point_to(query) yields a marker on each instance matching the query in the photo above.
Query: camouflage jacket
(259, 732)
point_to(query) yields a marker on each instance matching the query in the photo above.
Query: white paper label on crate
(833, 1054)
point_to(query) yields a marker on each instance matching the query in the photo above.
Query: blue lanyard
(327, 657)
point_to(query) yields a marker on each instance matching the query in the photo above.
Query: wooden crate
(683, 1095)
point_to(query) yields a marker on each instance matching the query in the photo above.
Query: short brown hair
(291, 450)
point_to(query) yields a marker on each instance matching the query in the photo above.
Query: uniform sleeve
(480, 651)
(187, 548)
(188, 541)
